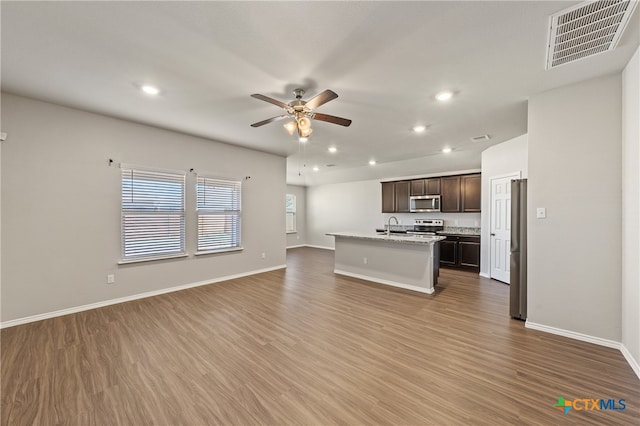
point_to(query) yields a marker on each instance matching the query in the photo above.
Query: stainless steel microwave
(424, 203)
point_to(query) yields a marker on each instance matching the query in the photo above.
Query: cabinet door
(388, 197)
(469, 254)
(449, 251)
(432, 186)
(418, 187)
(470, 189)
(402, 196)
(450, 194)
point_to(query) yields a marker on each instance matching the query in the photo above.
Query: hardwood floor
(304, 346)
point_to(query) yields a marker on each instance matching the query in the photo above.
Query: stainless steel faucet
(389, 224)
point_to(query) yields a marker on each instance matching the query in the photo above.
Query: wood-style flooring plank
(304, 346)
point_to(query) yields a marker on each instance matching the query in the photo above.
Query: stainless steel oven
(424, 203)
(426, 227)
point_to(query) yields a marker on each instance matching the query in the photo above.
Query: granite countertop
(448, 230)
(396, 238)
(459, 230)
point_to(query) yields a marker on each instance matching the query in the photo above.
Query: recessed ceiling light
(333, 149)
(150, 90)
(419, 129)
(316, 168)
(303, 139)
(372, 162)
(446, 150)
(444, 96)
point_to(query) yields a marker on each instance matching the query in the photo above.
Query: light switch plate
(541, 213)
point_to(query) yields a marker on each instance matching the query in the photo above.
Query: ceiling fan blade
(331, 119)
(270, 100)
(269, 120)
(321, 99)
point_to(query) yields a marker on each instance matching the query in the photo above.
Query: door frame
(515, 175)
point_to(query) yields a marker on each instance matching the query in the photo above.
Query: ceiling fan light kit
(301, 112)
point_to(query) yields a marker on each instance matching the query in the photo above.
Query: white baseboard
(319, 247)
(386, 282)
(573, 335)
(484, 275)
(633, 363)
(635, 366)
(81, 308)
(299, 245)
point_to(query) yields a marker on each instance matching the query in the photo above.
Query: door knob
(493, 235)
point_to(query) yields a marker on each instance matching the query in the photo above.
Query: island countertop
(405, 261)
(396, 238)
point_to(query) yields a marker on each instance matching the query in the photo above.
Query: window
(218, 209)
(290, 208)
(152, 214)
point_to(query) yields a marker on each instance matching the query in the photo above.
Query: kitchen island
(405, 261)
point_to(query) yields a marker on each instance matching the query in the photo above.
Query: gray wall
(574, 171)
(61, 207)
(631, 211)
(299, 238)
(498, 160)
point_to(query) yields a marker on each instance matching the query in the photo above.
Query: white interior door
(500, 229)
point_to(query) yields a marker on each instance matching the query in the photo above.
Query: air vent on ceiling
(586, 30)
(480, 138)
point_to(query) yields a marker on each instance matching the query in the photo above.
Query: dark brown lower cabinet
(460, 251)
(448, 252)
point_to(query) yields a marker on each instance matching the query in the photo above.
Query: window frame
(126, 214)
(292, 212)
(235, 212)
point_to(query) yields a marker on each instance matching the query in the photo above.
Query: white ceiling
(386, 61)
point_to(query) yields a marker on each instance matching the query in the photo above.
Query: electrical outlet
(365, 260)
(264, 255)
(111, 278)
(541, 213)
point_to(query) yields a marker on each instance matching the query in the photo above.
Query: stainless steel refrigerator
(518, 276)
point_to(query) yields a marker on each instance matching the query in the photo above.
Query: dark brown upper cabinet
(430, 186)
(388, 197)
(460, 193)
(450, 200)
(402, 196)
(470, 188)
(395, 196)
(417, 187)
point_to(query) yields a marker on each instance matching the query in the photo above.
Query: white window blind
(290, 209)
(219, 218)
(152, 214)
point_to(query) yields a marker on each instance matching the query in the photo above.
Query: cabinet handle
(493, 235)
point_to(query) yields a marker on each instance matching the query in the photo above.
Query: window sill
(227, 250)
(151, 259)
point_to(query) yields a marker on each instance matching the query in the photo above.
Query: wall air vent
(586, 30)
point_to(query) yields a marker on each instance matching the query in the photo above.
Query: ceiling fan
(301, 112)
